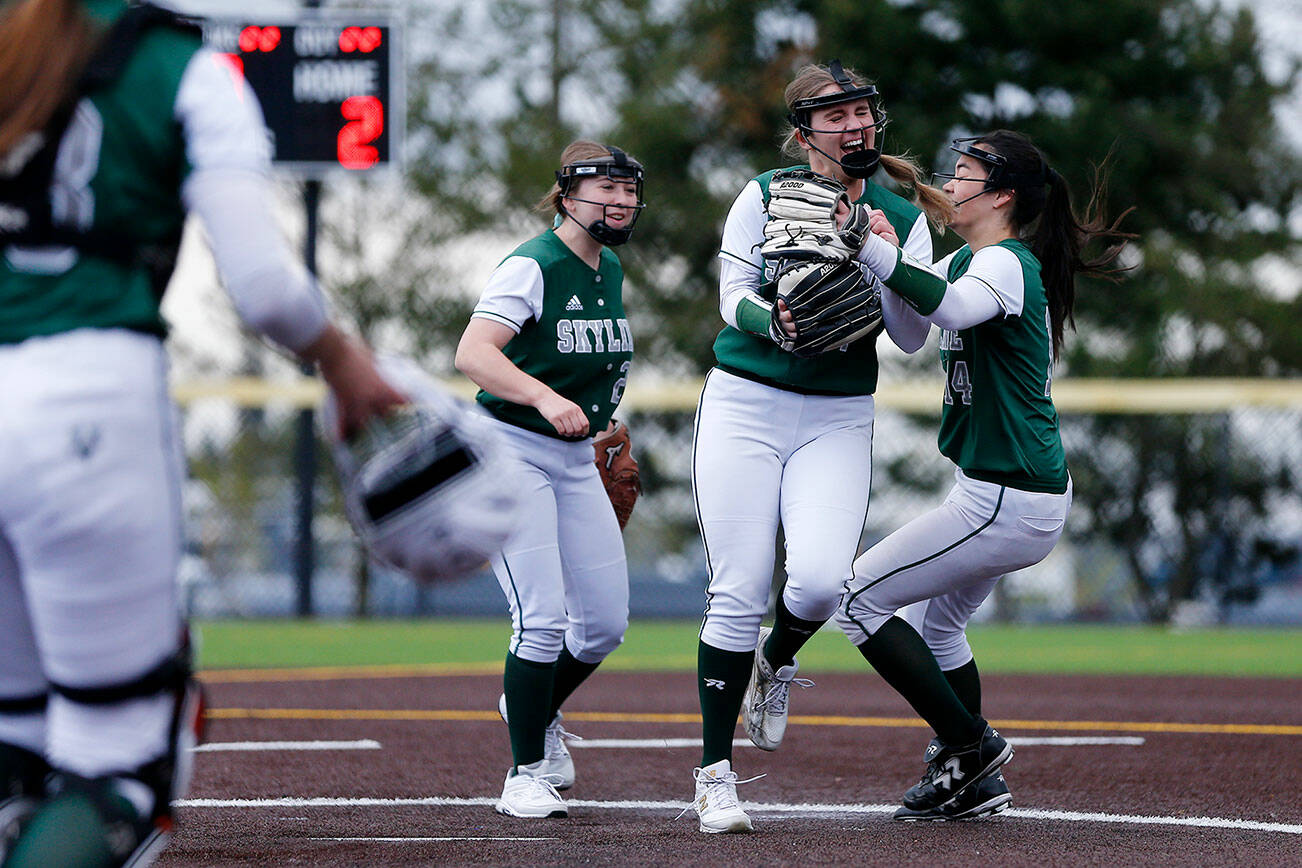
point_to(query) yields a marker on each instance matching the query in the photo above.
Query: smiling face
(838, 130)
(602, 198)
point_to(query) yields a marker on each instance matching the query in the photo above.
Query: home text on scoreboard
(328, 82)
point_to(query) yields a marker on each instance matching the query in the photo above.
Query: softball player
(113, 125)
(550, 348)
(785, 439)
(1001, 302)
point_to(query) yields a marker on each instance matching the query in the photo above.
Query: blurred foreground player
(114, 123)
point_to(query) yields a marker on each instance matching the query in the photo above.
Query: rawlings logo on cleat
(716, 683)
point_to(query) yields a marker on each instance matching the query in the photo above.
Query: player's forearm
(913, 281)
(490, 369)
(907, 328)
(739, 304)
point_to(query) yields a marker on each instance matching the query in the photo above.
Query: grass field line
(431, 714)
(759, 808)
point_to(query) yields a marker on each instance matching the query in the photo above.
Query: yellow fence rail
(1205, 395)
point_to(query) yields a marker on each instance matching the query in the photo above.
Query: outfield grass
(671, 645)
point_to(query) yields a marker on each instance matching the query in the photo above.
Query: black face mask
(618, 167)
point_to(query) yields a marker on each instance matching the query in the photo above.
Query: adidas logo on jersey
(574, 303)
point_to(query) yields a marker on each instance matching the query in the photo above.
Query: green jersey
(120, 165)
(999, 423)
(571, 332)
(851, 370)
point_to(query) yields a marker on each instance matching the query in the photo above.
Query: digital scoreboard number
(327, 83)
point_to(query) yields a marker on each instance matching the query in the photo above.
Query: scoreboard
(329, 84)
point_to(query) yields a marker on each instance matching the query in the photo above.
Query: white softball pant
(952, 557)
(761, 456)
(563, 572)
(90, 539)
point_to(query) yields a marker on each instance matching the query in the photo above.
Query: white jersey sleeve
(514, 293)
(993, 285)
(741, 268)
(907, 328)
(228, 187)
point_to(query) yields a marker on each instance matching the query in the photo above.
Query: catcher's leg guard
(123, 818)
(167, 776)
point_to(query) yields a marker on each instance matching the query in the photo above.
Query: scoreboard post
(329, 84)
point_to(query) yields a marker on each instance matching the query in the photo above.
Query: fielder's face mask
(999, 176)
(856, 164)
(619, 167)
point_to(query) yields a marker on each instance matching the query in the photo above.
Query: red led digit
(369, 40)
(269, 39)
(259, 38)
(365, 116)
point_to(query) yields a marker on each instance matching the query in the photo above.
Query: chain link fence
(1188, 516)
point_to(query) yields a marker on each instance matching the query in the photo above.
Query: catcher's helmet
(856, 164)
(424, 486)
(619, 166)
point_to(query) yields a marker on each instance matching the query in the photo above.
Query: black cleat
(951, 771)
(988, 797)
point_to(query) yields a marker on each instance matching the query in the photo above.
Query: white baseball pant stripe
(90, 477)
(563, 572)
(761, 456)
(952, 557)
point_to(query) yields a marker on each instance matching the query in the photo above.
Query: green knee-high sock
(967, 686)
(528, 687)
(898, 653)
(721, 682)
(789, 636)
(570, 673)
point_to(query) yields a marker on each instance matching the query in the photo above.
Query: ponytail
(933, 202)
(1060, 239)
(44, 47)
(1044, 219)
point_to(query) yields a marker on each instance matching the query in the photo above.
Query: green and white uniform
(564, 572)
(785, 439)
(90, 450)
(999, 426)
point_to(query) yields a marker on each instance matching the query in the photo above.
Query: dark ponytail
(1044, 219)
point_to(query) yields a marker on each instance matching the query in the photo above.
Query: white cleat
(716, 799)
(529, 792)
(558, 765)
(764, 706)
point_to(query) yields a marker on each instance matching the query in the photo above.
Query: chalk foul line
(756, 807)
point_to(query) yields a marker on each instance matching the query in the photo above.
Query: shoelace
(543, 783)
(726, 785)
(776, 699)
(555, 738)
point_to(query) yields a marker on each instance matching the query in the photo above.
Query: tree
(1173, 90)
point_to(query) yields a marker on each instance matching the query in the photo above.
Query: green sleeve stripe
(920, 287)
(753, 316)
